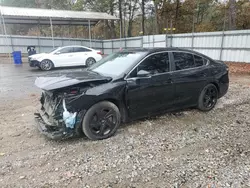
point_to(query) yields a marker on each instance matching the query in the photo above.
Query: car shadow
(75, 140)
(37, 70)
(177, 114)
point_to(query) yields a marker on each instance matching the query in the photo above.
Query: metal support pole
(148, 40)
(167, 35)
(5, 33)
(112, 45)
(2, 27)
(11, 43)
(38, 36)
(171, 26)
(193, 30)
(90, 42)
(222, 44)
(153, 41)
(223, 34)
(52, 32)
(141, 42)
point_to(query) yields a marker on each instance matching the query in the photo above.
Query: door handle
(168, 81)
(203, 74)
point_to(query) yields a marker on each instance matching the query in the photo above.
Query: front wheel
(208, 98)
(101, 121)
(46, 65)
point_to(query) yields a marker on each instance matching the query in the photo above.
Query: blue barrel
(17, 56)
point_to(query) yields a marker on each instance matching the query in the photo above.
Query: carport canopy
(16, 15)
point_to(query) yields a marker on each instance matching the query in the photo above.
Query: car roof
(74, 46)
(153, 50)
(156, 49)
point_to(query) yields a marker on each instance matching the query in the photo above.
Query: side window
(66, 50)
(80, 49)
(198, 61)
(183, 60)
(155, 64)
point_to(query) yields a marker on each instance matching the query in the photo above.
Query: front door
(64, 57)
(151, 93)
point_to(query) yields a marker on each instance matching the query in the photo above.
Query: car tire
(90, 61)
(46, 65)
(101, 121)
(208, 98)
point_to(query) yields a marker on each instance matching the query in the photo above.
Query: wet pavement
(17, 81)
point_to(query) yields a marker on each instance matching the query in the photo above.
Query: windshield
(116, 64)
(54, 49)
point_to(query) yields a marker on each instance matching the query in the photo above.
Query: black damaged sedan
(125, 86)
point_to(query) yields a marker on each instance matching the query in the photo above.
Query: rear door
(153, 93)
(80, 55)
(190, 73)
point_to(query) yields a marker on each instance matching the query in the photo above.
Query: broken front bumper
(58, 133)
(51, 132)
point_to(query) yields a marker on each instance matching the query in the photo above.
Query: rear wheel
(46, 65)
(90, 61)
(208, 98)
(101, 121)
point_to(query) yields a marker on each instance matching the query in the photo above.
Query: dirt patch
(239, 68)
(188, 149)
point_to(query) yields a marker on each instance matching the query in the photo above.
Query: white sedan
(65, 57)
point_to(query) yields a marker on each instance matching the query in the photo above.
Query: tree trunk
(113, 34)
(156, 18)
(177, 12)
(143, 17)
(130, 28)
(120, 16)
(232, 15)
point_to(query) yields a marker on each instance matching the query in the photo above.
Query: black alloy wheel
(101, 121)
(208, 98)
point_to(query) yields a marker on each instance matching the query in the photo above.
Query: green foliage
(200, 15)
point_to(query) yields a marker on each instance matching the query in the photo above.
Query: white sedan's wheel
(46, 65)
(90, 61)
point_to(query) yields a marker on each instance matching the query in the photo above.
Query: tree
(132, 7)
(232, 15)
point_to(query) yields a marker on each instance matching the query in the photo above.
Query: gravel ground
(186, 149)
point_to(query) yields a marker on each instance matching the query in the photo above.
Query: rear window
(80, 49)
(184, 60)
(198, 61)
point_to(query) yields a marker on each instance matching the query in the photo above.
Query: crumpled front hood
(61, 80)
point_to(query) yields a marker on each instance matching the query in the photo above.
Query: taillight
(73, 91)
(100, 53)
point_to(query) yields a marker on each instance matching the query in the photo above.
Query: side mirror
(57, 53)
(143, 73)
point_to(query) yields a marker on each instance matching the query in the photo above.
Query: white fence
(227, 46)
(12, 43)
